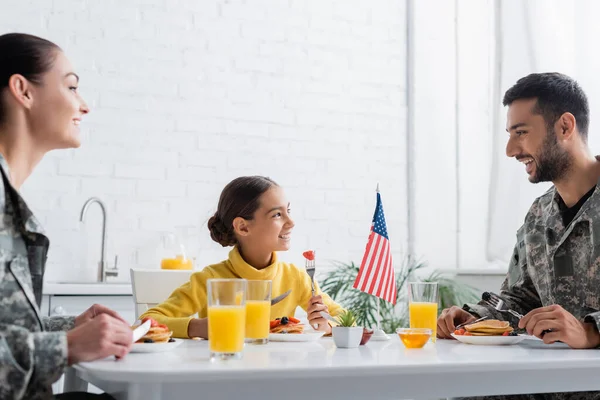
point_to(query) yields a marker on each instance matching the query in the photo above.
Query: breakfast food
(490, 327)
(309, 255)
(286, 325)
(158, 333)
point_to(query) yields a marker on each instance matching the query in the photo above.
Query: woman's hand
(94, 311)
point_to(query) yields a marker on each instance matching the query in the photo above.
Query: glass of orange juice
(423, 305)
(226, 318)
(179, 262)
(173, 253)
(258, 311)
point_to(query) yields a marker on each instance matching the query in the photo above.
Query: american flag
(376, 274)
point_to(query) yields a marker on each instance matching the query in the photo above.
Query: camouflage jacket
(33, 349)
(553, 263)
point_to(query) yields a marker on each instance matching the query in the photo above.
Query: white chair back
(153, 286)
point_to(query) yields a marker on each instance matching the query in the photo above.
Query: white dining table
(377, 370)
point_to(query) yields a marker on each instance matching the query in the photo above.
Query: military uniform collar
(31, 224)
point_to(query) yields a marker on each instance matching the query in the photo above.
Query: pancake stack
(286, 325)
(491, 327)
(158, 333)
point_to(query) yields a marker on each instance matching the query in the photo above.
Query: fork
(495, 301)
(310, 270)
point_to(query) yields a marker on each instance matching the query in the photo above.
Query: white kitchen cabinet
(75, 305)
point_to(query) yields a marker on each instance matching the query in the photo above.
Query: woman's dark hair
(24, 54)
(240, 198)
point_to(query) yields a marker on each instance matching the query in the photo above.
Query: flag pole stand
(378, 333)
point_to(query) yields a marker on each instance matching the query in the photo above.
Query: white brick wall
(186, 95)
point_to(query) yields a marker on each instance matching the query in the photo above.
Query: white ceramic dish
(489, 340)
(295, 337)
(155, 347)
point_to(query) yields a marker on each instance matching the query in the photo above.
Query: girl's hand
(198, 327)
(315, 306)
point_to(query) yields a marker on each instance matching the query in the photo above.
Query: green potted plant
(338, 284)
(346, 334)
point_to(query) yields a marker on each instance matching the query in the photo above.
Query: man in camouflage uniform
(35, 350)
(553, 277)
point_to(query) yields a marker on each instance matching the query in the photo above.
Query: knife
(140, 331)
(469, 323)
(280, 297)
(328, 317)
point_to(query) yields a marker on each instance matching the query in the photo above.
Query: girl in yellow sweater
(253, 216)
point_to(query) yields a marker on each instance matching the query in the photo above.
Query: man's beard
(553, 162)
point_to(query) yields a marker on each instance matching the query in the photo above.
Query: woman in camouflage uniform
(40, 110)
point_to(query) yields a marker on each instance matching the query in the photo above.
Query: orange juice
(226, 328)
(176, 263)
(239, 298)
(423, 315)
(258, 314)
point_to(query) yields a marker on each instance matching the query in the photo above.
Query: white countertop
(87, 288)
(379, 370)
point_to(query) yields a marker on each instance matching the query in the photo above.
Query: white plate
(489, 340)
(295, 337)
(155, 347)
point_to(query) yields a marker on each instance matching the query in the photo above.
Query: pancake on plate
(286, 325)
(158, 333)
(489, 327)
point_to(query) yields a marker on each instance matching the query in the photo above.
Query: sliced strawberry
(273, 324)
(293, 320)
(309, 255)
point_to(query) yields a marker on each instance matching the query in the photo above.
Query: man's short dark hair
(556, 94)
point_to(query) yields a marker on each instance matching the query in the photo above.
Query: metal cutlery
(280, 297)
(310, 270)
(469, 323)
(328, 317)
(498, 304)
(496, 301)
(140, 331)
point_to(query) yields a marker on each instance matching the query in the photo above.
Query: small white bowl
(347, 337)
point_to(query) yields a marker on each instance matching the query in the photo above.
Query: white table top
(445, 369)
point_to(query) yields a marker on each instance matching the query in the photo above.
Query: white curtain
(536, 36)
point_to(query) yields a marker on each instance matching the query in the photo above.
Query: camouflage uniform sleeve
(593, 318)
(517, 291)
(29, 359)
(58, 323)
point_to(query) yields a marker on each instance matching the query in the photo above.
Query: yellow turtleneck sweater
(190, 298)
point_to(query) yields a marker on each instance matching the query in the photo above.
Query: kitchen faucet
(103, 271)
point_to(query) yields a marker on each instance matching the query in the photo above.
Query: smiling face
(534, 144)
(271, 227)
(56, 108)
